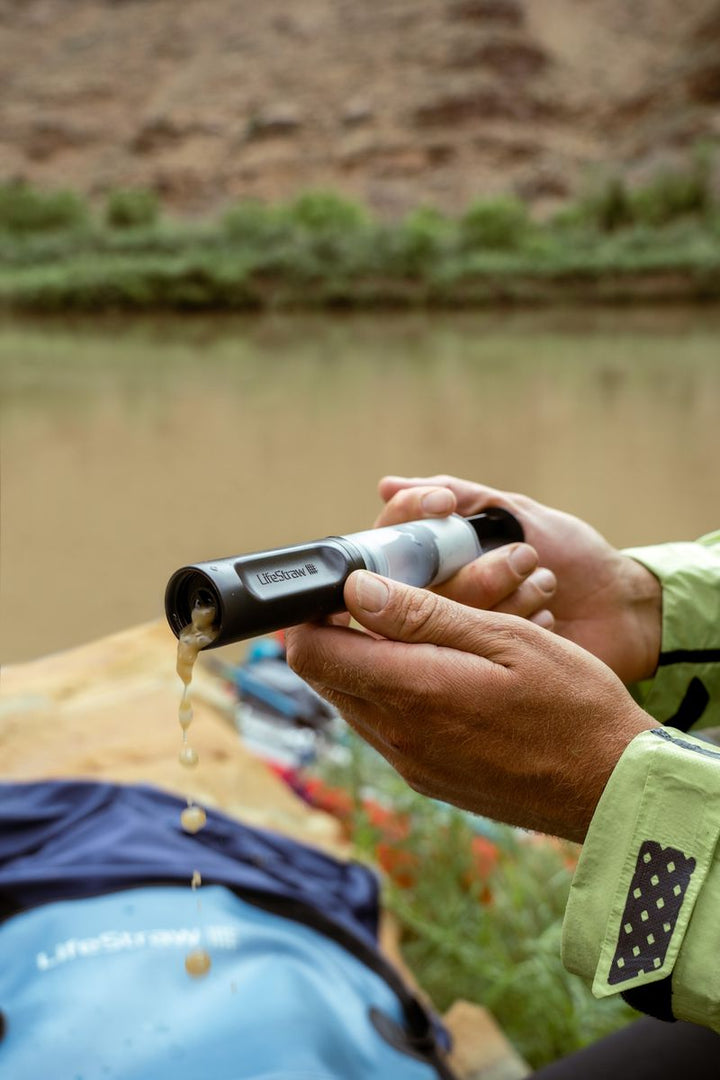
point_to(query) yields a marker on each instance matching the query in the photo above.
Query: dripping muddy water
(193, 637)
(281, 428)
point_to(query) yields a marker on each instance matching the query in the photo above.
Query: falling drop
(193, 819)
(188, 757)
(197, 963)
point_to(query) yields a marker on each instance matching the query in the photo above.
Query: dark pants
(645, 1050)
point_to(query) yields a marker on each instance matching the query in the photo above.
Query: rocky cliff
(394, 102)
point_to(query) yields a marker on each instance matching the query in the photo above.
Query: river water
(129, 447)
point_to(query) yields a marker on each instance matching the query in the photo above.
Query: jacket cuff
(690, 650)
(631, 918)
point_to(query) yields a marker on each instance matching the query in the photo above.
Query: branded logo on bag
(216, 936)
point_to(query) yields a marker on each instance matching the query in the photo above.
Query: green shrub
(324, 211)
(423, 237)
(253, 222)
(501, 223)
(24, 209)
(608, 207)
(132, 208)
(671, 195)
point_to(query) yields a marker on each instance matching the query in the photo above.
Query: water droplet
(193, 819)
(188, 757)
(197, 963)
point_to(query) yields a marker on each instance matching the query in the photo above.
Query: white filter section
(457, 544)
(419, 552)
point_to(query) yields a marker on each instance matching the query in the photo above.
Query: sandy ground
(108, 710)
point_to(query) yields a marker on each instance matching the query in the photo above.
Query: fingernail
(372, 592)
(545, 580)
(544, 618)
(440, 501)
(523, 559)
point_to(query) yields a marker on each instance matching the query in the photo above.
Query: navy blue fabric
(71, 839)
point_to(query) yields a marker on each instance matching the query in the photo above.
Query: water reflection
(129, 448)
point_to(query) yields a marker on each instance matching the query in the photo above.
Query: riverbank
(660, 243)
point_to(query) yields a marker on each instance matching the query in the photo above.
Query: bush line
(658, 240)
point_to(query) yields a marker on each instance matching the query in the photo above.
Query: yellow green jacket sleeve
(643, 917)
(690, 652)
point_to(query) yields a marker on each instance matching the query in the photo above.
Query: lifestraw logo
(271, 577)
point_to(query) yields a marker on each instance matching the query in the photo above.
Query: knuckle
(486, 580)
(418, 610)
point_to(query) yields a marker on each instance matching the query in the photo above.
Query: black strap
(654, 999)
(689, 656)
(691, 707)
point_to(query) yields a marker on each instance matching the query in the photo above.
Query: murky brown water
(130, 448)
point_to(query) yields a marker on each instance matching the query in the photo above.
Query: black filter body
(270, 590)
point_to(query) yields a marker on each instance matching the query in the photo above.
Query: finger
(383, 735)
(341, 618)
(532, 596)
(373, 699)
(544, 618)
(344, 659)
(405, 614)
(412, 504)
(488, 581)
(373, 668)
(471, 497)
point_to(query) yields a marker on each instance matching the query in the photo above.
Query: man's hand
(604, 601)
(507, 579)
(481, 709)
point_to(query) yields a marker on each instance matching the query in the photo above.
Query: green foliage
(255, 223)
(318, 237)
(488, 936)
(194, 281)
(423, 237)
(132, 208)
(502, 952)
(671, 195)
(25, 209)
(324, 211)
(608, 207)
(500, 224)
(322, 250)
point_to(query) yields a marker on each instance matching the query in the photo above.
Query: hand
(604, 601)
(480, 709)
(507, 579)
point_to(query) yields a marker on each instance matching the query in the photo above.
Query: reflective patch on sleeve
(653, 904)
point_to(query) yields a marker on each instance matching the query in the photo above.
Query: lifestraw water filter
(270, 590)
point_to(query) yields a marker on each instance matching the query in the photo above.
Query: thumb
(403, 613)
